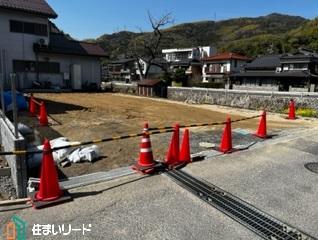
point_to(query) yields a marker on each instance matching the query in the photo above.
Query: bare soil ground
(85, 116)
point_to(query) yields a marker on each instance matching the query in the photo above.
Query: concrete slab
(136, 207)
(273, 179)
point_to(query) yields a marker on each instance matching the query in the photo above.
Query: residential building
(287, 72)
(188, 59)
(182, 54)
(123, 70)
(218, 68)
(126, 69)
(39, 53)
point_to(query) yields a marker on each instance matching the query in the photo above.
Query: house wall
(90, 68)
(17, 46)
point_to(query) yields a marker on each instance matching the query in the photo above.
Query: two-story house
(188, 59)
(39, 53)
(127, 70)
(218, 68)
(286, 72)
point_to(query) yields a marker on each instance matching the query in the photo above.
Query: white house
(39, 53)
(181, 54)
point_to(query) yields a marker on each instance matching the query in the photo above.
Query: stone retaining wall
(272, 101)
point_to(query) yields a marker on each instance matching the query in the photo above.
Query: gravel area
(7, 190)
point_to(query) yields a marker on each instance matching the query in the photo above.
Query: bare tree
(147, 47)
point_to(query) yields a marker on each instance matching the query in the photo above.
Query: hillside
(252, 36)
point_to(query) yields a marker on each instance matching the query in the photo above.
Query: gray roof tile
(40, 7)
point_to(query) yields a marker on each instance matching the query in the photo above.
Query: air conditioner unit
(43, 42)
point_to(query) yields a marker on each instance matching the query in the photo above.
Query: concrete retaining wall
(272, 101)
(17, 163)
(123, 88)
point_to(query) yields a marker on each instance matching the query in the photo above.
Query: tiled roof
(295, 74)
(40, 7)
(61, 44)
(227, 56)
(265, 62)
(122, 61)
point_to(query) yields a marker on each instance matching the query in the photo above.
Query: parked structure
(288, 72)
(39, 53)
(218, 68)
(152, 88)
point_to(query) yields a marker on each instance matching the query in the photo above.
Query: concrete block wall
(17, 163)
(124, 88)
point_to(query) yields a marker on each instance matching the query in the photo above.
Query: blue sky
(92, 18)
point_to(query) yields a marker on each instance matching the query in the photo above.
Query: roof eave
(52, 16)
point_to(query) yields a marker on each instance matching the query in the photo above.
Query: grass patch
(304, 112)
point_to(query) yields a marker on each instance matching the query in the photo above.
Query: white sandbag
(24, 129)
(58, 156)
(61, 154)
(84, 154)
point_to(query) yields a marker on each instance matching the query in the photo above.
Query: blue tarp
(21, 102)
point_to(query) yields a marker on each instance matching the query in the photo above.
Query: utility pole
(14, 105)
(3, 114)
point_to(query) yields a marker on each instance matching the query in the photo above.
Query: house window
(31, 66)
(28, 28)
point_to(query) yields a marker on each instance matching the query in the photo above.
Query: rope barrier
(151, 131)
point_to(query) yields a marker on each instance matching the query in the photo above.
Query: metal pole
(3, 114)
(14, 105)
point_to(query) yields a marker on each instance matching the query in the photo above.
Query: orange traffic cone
(43, 115)
(173, 151)
(32, 106)
(292, 114)
(49, 189)
(226, 142)
(262, 131)
(146, 163)
(184, 156)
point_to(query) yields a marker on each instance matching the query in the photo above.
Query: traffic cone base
(38, 204)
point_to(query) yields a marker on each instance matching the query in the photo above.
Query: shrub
(303, 112)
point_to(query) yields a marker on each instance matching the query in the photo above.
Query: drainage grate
(254, 219)
(313, 167)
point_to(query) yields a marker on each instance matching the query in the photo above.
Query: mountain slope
(251, 36)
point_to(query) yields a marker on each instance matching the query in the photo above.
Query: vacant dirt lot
(83, 116)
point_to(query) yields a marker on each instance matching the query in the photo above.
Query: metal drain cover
(313, 167)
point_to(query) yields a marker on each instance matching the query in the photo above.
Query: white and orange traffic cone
(146, 163)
